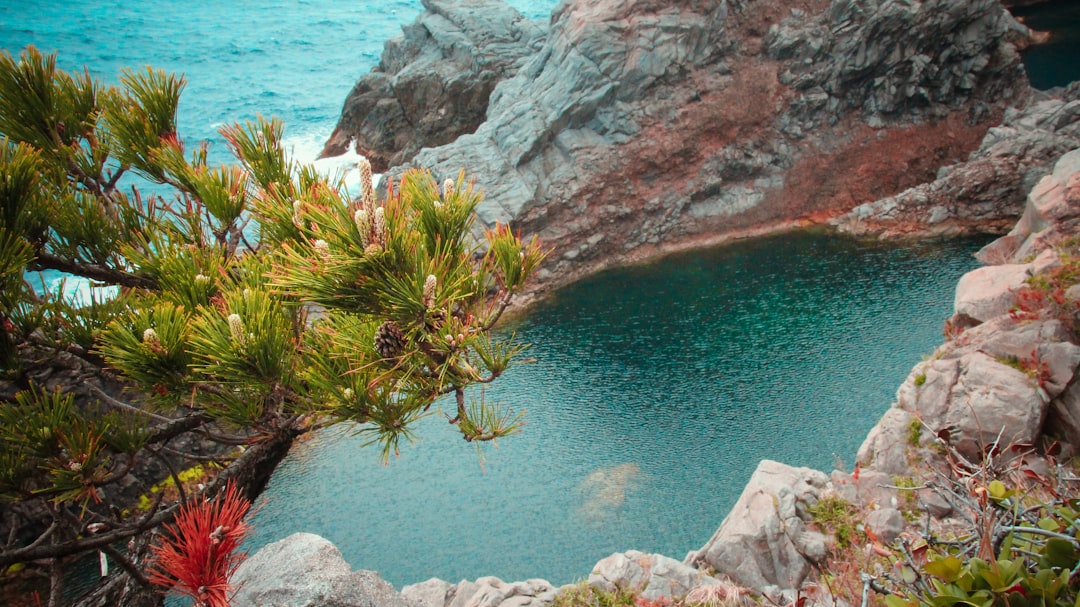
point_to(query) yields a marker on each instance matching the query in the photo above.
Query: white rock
(305, 570)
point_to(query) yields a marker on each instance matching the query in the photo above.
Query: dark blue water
(656, 391)
(1057, 62)
(657, 388)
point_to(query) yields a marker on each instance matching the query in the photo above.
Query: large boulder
(641, 126)
(306, 570)
(433, 82)
(765, 543)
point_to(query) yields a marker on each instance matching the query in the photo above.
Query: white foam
(75, 290)
(305, 148)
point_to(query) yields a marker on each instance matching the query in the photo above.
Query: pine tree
(254, 303)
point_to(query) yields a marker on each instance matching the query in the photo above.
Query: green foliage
(1038, 549)
(838, 517)
(914, 431)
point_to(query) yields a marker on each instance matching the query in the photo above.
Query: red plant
(197, 555)
(1029, 302)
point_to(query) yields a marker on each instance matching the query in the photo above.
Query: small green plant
(914, 428)
(838, 517)
(584, 595)
(920, 379)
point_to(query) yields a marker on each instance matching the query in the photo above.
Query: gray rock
(305, 570)
(886, 524)
(653, 575)
(763, 541)
(990, 291)
(484, 592)
(433, 83)
(987, 191)
(431, 593)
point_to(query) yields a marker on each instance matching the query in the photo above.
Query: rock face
(305, 570)
(641, 125)
(764, 543)
(433, 83)
(988, 190)
(1007, 375)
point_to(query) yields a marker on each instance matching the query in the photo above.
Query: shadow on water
(1053, 63)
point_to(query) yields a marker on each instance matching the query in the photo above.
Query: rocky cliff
(640, 126)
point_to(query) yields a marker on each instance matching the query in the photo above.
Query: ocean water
(657, 388)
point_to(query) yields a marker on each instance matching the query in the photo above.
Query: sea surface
(656, 389)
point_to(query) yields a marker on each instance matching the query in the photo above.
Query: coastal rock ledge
(634, 127)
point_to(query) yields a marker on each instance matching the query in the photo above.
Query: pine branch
(111, 276)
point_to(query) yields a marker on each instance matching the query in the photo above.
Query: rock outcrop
(1007, 374)
(433, 83)
(987, 191)
(642, 126)
(765, 543)
(484, 592)
(305, 570)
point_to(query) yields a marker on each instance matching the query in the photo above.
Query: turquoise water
(657, 388)
(656, 391)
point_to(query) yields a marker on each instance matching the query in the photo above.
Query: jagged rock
(433, 83)
(1051, 214)
(987, 191)
(305, 570)
(764, 542)
(484, 592)
(997, 381)
(886, 524)
(652, 124)
(653, 575)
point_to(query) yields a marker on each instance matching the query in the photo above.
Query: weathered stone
(990, 291)
(653, 575)
(886, 524)
(987, 191)
(885, 447)
(431, 593)
(305, 570)
(763, 542)
(433, 83)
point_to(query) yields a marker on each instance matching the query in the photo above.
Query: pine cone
(389, 340)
